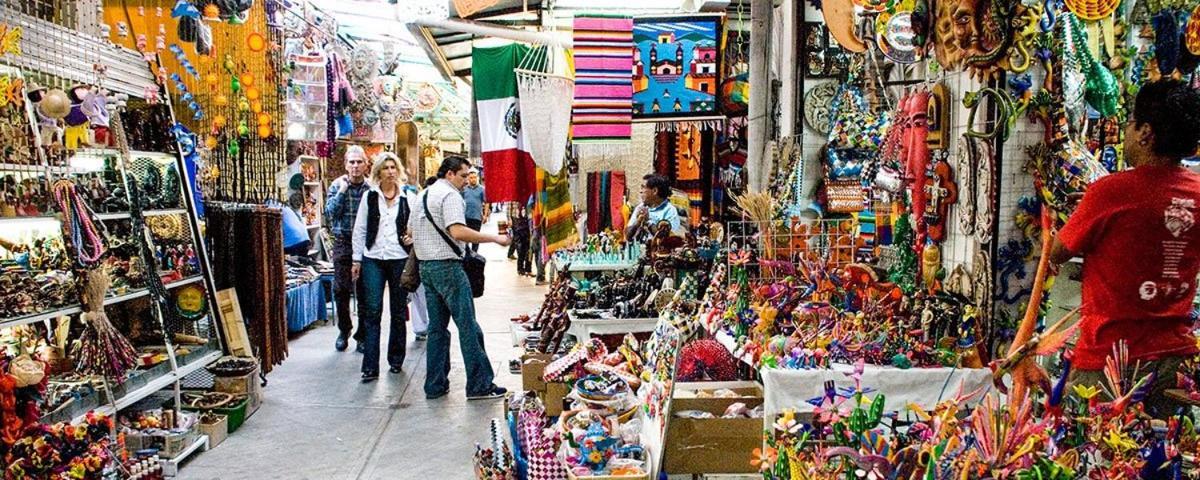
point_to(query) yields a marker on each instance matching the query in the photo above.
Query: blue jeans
(375, 274)
(448, 293)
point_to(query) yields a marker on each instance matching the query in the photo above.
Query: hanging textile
(676, 68)
(542, 83)
(616, 200)
(593, 202)
(506, 160)
(247, 255)
(687, 154)
(558, 215)
(603, 81)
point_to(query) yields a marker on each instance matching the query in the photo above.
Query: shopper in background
(476, 210)
(381, 243)
(654, 209)
(520, 238)
(341, 209)
(1135, 232)
(448, 291)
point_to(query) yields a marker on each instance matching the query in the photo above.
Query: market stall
(897, 268)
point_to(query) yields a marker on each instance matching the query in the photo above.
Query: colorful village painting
(675, 67)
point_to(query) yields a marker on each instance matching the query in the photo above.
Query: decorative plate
(1192, 38)
(818, 114)
(1093, 9)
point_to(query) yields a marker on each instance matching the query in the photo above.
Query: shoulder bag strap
(453, 246)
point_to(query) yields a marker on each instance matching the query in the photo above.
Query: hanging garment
(558, 213)
(506, 159)
(616, 200)
(593, 202)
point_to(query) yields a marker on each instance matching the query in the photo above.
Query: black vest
(373, 216)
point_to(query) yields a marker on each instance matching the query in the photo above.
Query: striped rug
(602, 112)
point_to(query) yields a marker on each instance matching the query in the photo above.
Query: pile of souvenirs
(61, 450)
(1074, 433)
(597, 435)
(824, 313)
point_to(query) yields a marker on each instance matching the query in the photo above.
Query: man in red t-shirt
(1136, 233)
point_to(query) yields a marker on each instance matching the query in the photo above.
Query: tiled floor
(319, 422)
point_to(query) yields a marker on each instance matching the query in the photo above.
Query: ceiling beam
(432, 51)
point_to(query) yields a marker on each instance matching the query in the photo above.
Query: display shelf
(22, 167)
(186, 281)
(104, 217)
(147, 213)
(37, 317)
(154, 385)
(160, 155)
(583, 328)
(168, 211)
(170, 467)
(601, 267)
(8, 222)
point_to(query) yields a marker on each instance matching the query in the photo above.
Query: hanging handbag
(410, 278)
(473, 263)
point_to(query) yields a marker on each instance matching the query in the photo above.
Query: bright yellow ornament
(252, 93)
(264, 131)
(264, 119)
(221, 100)
(210, 142)
(247, 80)
(243, 105)
(256, 106)
(219, 121)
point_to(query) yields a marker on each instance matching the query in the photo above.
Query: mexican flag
(507, 166)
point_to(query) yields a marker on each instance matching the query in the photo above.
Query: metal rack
(833, 242)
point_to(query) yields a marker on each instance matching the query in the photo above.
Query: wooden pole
(760, 81)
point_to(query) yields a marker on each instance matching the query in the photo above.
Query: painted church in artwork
(675, 70)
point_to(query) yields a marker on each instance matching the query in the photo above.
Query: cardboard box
(533, 366)
(248, 385)
(712, 445)
(555, 393)
(217, 431)
(169, 445)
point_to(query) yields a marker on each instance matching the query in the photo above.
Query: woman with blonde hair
(381, 247)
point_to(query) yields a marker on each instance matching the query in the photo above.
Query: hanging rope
(79, 224)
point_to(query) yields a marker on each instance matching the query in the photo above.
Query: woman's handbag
(410, 278)
(473, 263)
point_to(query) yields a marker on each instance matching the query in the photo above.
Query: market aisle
(319, 422)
